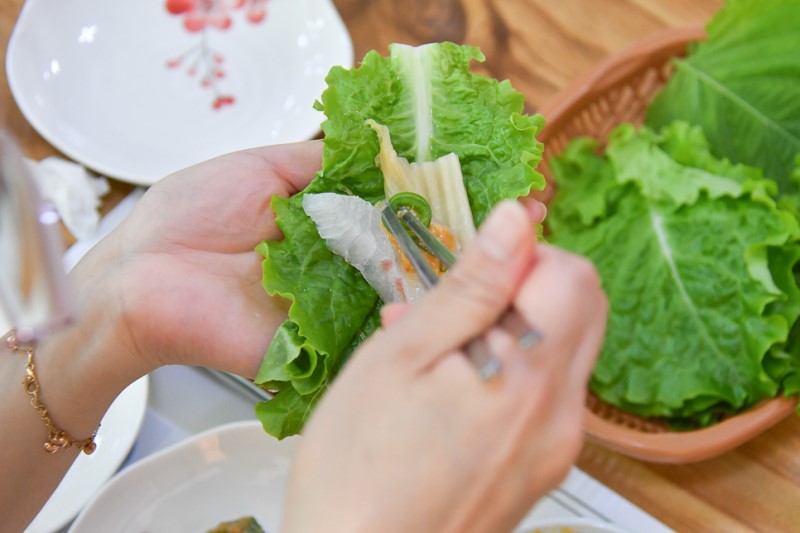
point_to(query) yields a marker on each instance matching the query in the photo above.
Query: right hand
(409, 438)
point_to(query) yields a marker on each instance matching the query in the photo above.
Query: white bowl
(222, 474)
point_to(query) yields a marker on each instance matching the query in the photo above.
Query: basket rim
(626, 62)
(689, 446)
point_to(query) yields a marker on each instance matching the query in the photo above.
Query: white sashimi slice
(352, 229)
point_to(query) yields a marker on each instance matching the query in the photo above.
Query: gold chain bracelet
(56, 438)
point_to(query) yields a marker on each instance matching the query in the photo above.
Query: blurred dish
(237, 470)
(619, 90)
(223, 474)
(118, 431)
(574, 525)
(135, 92)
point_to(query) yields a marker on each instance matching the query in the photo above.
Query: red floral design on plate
(202, 16)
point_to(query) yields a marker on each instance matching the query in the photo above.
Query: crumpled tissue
(73, 191)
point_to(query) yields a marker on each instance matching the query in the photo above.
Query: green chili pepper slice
(413, 202)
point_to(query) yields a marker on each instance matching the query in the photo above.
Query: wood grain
(540, 46)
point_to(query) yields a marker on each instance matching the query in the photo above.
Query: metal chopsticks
(477, 349)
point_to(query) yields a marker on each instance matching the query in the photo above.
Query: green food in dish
(246, 524)
(434, 109)
(698, 262)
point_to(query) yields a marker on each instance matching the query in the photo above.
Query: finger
(229, 196)
(475, 292)
(537, 211)
(295, 163)
(587, 354)
(391, 313)
(563, 299)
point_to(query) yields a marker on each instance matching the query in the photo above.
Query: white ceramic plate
(223, 474)
(93, 78)
(118, 431)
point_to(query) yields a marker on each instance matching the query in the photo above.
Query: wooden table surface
(542, 45)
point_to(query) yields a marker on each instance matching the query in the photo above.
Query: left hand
(181, 273)
(178, 282)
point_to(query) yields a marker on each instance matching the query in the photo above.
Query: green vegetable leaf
(687, 316)
(286, 413)
(433, 105)
(302, 269)
(791, 201)
(782, 363)
(290, 358)
(742, 86)
(584, 180)
(697, 266)
(637, 158)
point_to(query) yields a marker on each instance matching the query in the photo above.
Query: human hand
(409, 438)
(181, 272)
(178, 282)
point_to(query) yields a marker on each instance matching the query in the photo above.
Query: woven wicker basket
(619, 90)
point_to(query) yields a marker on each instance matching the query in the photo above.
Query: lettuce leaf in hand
(697, 260)
(741, 86)
(433, 105)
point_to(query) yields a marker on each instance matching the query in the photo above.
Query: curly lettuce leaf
(319, 283)
(698, 267)
(782, 363)
(584, 179)
(433, 105)
(286, 413)
(741, 86)
(791, 200)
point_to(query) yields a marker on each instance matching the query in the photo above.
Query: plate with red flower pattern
(137, 90)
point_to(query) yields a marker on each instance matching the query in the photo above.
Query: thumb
(474, 293)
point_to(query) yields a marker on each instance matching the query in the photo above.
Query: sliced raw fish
(353, 230)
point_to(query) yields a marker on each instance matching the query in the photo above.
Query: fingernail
(501, 233)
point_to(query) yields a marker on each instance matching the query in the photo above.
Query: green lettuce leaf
(742, 86)
(433, 105)
(791, 200)
(697, 260)
(782, 363)
(287, 411)
(588, 181)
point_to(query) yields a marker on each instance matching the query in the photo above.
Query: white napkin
(74, 193)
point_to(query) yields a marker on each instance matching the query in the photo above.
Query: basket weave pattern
(627, 420)
(625, 101)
